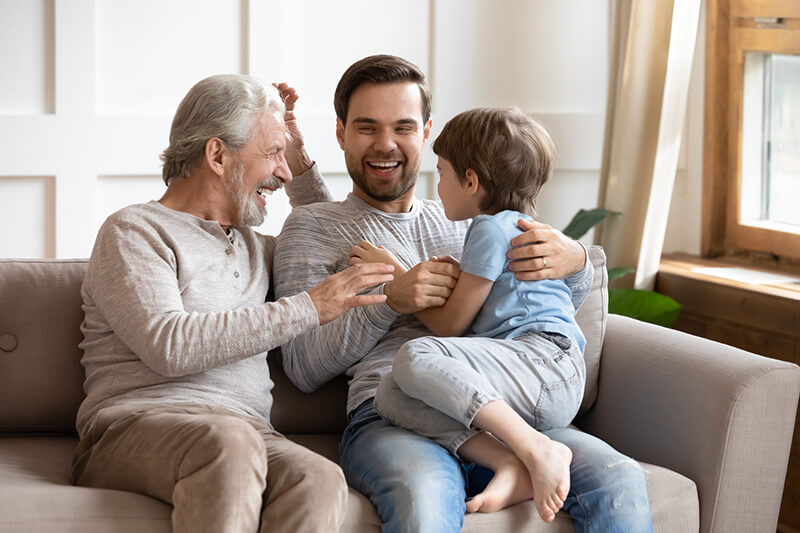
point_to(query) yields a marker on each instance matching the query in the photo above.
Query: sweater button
(228, 251)
(235, 274)
(8, 342)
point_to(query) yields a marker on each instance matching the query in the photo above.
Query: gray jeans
(438, 385)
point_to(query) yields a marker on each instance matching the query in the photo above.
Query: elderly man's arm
(132, 280)
(307, 187)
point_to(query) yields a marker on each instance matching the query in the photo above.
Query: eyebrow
(366, 120)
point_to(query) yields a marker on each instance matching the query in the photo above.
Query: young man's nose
(385, 142)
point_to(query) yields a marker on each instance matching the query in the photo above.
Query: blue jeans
(418, 486)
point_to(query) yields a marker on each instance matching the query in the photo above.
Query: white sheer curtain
(651, 50)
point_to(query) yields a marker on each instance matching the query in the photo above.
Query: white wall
(89, 88)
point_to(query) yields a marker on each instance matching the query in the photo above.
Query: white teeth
(384, 164)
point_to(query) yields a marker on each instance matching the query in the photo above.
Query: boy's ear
(471, 183)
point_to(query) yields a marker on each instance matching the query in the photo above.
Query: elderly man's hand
(543, 252)
(296, 155)
(428, 284)
(341, 291)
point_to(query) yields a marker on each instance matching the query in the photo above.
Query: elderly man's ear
(215, 155)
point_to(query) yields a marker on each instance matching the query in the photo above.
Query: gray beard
(250, 213)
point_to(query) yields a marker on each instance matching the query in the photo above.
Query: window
(752, 132)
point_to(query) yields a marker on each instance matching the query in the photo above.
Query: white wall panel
(311, 43)
(150, 52)
(116, 192)
(539, 55)
(27, 226)
(26, 61)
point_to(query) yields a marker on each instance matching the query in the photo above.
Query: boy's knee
(410, 355)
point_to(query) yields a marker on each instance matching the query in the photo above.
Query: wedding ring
(544, 262)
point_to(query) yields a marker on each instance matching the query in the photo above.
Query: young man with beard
(383, 122)
(177, 330)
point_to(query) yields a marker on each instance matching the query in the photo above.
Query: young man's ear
(426, 131)
(340, 132)
(471, 183)
(215, 155)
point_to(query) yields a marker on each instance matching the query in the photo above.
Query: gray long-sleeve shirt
(315, 242)
(175, 311)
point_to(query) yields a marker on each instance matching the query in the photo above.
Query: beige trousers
(221, 471)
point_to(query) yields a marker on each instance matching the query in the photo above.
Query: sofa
(711, 425)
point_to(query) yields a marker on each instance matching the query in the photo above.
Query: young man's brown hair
(379, 69)
(511, 153)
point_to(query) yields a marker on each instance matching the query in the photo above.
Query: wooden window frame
(730, 32)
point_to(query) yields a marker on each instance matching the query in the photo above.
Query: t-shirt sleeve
(485, 248)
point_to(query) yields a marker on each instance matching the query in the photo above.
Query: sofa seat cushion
(36, 495)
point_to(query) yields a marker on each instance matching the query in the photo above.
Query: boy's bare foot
(510, 485)
(548, 466)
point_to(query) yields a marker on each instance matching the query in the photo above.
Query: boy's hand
(366, 252)
(543, 252)
(296, 155)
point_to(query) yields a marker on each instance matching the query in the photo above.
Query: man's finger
(442, 268)
(535, 275)
(362, 282)
(368, 299)
(533, 264)
(530, 251)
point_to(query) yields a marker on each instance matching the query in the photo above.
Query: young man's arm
(306, 253)
(543, 252)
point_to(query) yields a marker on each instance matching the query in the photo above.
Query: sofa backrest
(41, 378)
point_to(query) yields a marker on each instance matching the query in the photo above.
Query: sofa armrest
(721, 416)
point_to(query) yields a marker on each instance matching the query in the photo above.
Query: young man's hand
(296, 155)
(341, 291)
(428, 284)
(543, 252)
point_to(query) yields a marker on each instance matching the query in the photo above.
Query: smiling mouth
(267, 190)
(383, 165)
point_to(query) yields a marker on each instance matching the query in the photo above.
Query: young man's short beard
(403, 186)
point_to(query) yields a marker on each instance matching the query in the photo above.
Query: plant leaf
(584, 220)
(619, 272)
(648, 306)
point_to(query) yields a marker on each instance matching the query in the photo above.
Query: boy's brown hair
(379, 69)
(511, 153)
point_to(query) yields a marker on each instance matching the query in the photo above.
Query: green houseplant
(648, 306)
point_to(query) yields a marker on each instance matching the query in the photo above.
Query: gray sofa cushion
(41, 378)
(36, 495)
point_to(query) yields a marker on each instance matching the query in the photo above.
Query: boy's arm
(454, 317)
(449, 320)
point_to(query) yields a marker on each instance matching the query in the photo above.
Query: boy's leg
(415, 415)
(415, 484)
(305, 491)
(458, 376)
(210, 464)
(608, 492)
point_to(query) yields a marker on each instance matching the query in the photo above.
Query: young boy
(521, 364)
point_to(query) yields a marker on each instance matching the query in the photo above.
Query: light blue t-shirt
(514, 307)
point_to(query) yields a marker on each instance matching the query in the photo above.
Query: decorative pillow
(592, 317)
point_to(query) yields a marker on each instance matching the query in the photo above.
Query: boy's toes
(474, 504)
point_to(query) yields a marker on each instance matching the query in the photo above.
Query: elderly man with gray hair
(177, 329)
